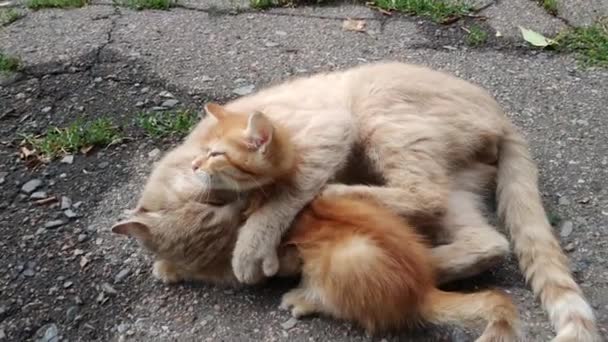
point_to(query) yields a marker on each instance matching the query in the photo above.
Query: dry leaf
(86, 149)
(354, 25)
(26, 152)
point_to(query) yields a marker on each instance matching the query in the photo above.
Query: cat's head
(241, 151)
(195, 233)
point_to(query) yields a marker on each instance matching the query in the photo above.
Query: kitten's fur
(358, 261)
(414, 127)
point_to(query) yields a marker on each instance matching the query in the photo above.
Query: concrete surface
(101, 61)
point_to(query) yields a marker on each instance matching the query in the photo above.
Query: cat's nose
(196, 164)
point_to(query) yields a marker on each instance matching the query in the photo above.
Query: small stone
(566, 229)
(67, 284)
(244, 90)
(40, 231)
(158, 108)
(68, 159)
(569, 247)
(38, 195)
(98, 79)
(122, 328)
(271, 44)
(280, 33)
(77, 204)
(80, 108)
(82, 237)
(170, 103)
(46, 109)
(107, 288)
(54, 224)
(48, 333)
(28, 272)
(103, 165)
(20, 96)
(70, 315)
(63, 175)
(154, 153)
(122, 275)
(69, 213)
(31, 186)
(66, 203)
(144, 90)
(166, 94)
(139, 104)
(3, 177)
(289, 323)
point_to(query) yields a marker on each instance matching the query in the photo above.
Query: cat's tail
(541, 259)
(493, 306)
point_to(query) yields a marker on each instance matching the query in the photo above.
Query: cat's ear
(215, 110)
(132, 228)
(259, 131)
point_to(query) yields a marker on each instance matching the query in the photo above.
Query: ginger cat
(358, 261)
(414, 127)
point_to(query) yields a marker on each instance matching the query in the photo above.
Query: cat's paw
(298, 303)
(165, 272)
(254, 257)
(334, 190)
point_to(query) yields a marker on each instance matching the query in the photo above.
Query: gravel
(66, 203)
(31, 186)
(54, 224)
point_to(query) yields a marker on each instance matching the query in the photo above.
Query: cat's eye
(215, 154)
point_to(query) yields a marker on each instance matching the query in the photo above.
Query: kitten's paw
(165, 272)
(299, 304)
(253, 258)
(334, 190)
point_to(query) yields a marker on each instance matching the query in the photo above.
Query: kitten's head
(193, 234)
(241, 151)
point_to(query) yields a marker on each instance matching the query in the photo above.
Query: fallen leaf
(354, 25)
(26, 152)
(536, 38)
(86, 149)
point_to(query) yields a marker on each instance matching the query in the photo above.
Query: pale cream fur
(414, 126)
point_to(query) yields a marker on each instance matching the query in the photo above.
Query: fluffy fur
(414, 128)
(358, 261)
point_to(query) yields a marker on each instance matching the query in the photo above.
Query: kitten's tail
(495, 307)
(540, 256)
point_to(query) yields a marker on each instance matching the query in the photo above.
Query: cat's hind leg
(301, 301)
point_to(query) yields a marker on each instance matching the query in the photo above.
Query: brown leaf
(26, 152)
(86, 149)
(354, 25)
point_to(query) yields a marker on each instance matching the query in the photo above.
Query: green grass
(164, 124)
(8, 63)
(38, 4)
(590, 44)
(146, 4)
(436, 10)
(9, 15)
(79, 135)
(550, 6)
(262, 4)
(476, 36)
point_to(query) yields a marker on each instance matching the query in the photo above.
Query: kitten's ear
(132, 228)
(259, 131)
(215, 110)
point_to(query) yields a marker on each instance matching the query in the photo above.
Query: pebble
(70, 214)
(70, 315)
(68, 159)
(67, 284)
(166, 94)
(154, 153)
(122, 328)
(120, 276)
(103, 165)
(271, 44)
(77, 204)
(66, 203)
(566, 229)
(46, 109)
(569, 247)
(54, 224)
(20, 96)
(244, 90)
(98, 79)
(31, 185)
(170, 103)
(564, 201)
(82, 237)
(48, 333)
(28, 272)
(3, 177)
(139, 104)
(158, 108)
(38, 195)
(107, 288)
(280, 33)
(40, 231)
(290, 323)
(144, 90)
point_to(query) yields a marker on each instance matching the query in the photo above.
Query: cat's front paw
(299, 304)
(254, 257)
(166, 272)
